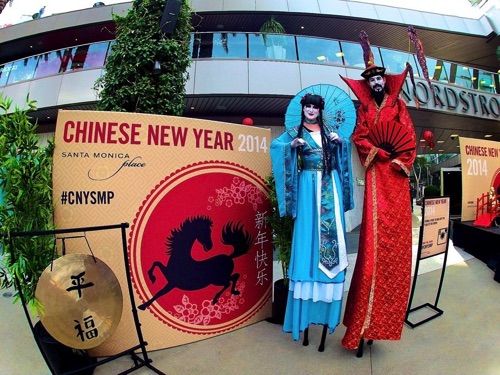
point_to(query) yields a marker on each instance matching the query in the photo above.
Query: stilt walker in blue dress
(312, 171)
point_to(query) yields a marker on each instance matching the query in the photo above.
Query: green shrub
(26, 185)
(431, 191)
(129, 83)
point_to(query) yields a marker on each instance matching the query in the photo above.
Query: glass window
(353, 54)
(79, 55)
(395, 61)
(202, 46)
(23, 70)
(447, 72)
(4, 73)
(463, 76)
(66, 56)
(220, 45)
(319, 50)
(89, 56)
(486, 82)
(256, 47)
(48, 64)
(191, 43)
(272, 47)
(437, 70)
(233, 45)
(96, 54)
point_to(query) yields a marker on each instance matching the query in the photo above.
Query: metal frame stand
(140, 359)
(438, 311)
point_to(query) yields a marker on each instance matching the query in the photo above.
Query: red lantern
(247, 121)
(428, 135)
(431, 145)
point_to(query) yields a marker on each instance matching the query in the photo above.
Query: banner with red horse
(193, 192)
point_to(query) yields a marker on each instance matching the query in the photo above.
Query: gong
(81, 299)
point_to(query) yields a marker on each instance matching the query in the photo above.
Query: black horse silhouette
(185, 273)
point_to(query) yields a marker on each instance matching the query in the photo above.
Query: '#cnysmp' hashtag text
(86, 197)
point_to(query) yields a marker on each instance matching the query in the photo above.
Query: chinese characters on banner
(193, 192)
(480, 172)
(261, 258)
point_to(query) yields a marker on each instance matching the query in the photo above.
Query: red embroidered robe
(378, 295)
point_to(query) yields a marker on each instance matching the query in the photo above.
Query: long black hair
(318, 101)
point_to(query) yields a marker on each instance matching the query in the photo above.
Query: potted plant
(26, 187)
(282, 230)
(275, 43)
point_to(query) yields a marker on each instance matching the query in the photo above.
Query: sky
(22, 10)
(460, 8)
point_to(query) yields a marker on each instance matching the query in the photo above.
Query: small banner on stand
(433, 241)
(435, 226)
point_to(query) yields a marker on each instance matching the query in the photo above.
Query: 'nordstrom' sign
(454, 99)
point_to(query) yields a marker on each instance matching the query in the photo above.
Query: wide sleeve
(405, 159)
(284, 164)
(345, 172)
(366, 149)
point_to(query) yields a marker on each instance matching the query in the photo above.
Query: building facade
(236, 73)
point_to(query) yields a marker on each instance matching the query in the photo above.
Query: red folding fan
(391, 137)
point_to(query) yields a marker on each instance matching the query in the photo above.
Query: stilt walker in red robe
(385, 140)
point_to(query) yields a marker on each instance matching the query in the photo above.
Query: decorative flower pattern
(239, 192)
(192, 313)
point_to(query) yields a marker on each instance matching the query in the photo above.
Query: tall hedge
(129, 84)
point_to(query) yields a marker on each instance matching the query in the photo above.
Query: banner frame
(434, 307)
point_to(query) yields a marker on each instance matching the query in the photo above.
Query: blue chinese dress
(318, 259)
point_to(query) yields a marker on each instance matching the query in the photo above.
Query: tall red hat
(371, 69)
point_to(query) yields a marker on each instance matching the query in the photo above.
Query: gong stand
(140, 359)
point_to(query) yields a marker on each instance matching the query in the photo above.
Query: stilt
(323, 338)
(306, 337)
(359, 353)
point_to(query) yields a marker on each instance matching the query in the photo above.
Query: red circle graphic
(200, 251)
